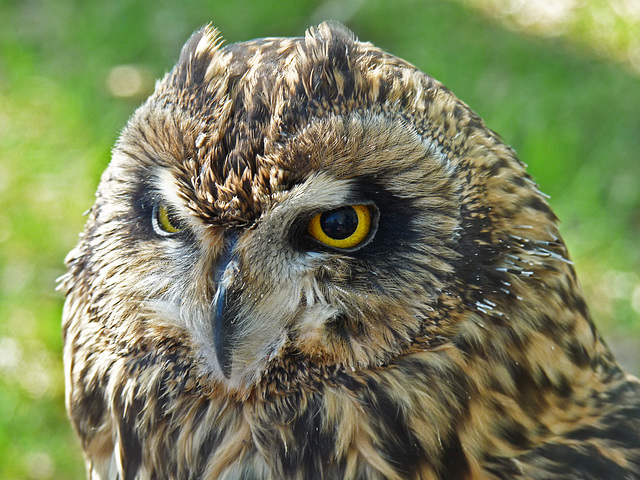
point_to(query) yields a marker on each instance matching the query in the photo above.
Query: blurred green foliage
(573, 118)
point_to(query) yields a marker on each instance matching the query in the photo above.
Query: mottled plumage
(207, 335)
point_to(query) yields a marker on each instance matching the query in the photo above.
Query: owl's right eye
(165, 221)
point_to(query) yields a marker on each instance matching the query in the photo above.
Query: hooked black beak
(225, 309)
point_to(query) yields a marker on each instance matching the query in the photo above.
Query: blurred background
(558, 79)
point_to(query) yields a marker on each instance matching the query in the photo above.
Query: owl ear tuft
(198, 54)
(331, 30)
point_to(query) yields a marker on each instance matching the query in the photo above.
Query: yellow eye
(165, 220)
(344, 227)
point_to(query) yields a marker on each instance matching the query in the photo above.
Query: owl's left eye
(165, 221)
(343, 228)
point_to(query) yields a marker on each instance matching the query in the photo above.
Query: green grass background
(570, 114)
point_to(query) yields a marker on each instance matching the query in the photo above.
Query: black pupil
(340, 223)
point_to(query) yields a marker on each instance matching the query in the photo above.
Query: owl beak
(225, 309)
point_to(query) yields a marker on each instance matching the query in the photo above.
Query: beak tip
(226, 371)
(221, 342)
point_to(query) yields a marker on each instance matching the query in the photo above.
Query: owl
(307, 259)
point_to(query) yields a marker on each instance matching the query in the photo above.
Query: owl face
(278, 277)
(303, 198)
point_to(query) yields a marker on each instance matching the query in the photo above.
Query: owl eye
(165, 221)
(345, 227)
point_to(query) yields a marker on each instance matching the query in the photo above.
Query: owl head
(311, 202)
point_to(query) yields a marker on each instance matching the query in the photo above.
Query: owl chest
(329, 435)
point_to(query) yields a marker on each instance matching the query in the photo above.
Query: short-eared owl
(308, 259)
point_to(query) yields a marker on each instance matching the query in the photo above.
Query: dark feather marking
(394, 437)
(529, 390)
(578, 354)
(514, 433)
(455, 465)
(130, 444)
(495, 167)
(536, 203)
(518, 180)
(582, 461)
(308, 429)
(90, 406)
